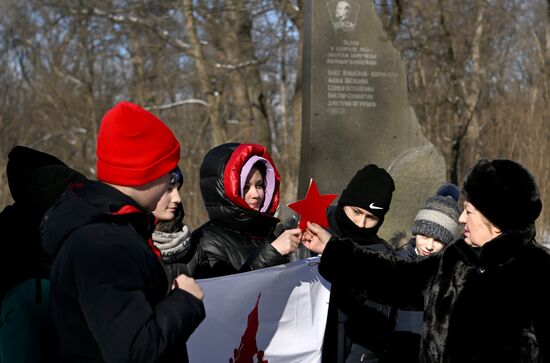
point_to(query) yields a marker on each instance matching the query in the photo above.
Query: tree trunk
(249, 100)
(213, 98)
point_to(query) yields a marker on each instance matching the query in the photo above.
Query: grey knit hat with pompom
(438, 218)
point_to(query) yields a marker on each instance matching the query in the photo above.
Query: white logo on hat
(372, 206)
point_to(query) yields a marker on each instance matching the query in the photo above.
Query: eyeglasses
(176, 177)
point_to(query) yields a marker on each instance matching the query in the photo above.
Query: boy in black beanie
(356, 331)
(364, 202)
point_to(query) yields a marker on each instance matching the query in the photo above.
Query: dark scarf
(344, 227)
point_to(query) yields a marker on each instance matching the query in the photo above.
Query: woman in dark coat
(484, 297)
(240, 189)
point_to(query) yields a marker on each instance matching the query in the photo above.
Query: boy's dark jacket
(489, 306)
(353, 318)
(110, 295)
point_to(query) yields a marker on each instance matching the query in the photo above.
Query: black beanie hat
(38, 179)
(371, 188)
(504, 192)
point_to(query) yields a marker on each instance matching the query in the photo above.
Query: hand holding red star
(313, 207)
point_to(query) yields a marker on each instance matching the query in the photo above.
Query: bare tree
(230, 70)
(476, 82)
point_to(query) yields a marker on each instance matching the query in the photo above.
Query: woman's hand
(288, 241)
(315, 238)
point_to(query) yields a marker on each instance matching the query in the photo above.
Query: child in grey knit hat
(434, 227)
(436, 223)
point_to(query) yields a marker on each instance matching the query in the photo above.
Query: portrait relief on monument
(344, 14)
(352, 66)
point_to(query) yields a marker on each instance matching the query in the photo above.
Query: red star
(313, 207)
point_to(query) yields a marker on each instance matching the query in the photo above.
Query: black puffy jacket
(110, 297)
(236, 238)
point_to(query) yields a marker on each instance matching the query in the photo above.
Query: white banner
(272, 315)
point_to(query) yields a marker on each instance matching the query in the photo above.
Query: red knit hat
(134, 147)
